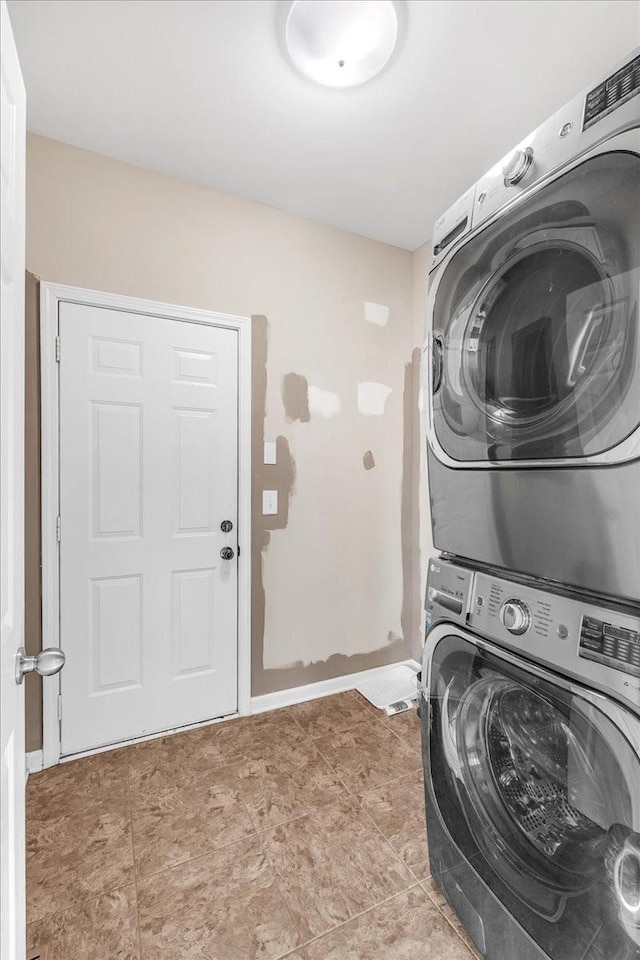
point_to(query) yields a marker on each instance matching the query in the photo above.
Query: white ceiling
(202, 91)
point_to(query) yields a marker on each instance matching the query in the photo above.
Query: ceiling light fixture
(341, 43)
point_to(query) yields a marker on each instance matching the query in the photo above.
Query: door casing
(51, 295)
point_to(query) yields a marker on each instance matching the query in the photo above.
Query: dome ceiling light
(341, 43)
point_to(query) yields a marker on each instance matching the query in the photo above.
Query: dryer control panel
(597, 114)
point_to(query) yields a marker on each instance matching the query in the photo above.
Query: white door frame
(51, 295)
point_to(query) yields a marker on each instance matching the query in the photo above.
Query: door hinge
(57, 349)
(59, 706)
(58, 529)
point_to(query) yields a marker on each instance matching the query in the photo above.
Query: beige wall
(339, 567)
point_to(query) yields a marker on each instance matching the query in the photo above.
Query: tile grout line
(200, 856)
(378, 786)
(133, 856)
(338, 926)
(278, 885)
(77, 904)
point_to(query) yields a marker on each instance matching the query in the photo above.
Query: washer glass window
(535, 323)
(540, 791)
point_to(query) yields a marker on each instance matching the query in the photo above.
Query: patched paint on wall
(372, 398)
(368, 461)
(280, 476)
(295, 397)
(376, 313)
(323, 402)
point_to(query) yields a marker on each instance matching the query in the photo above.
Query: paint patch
(323, 402)
(376, 313)
(368, 461)
(372, 398)
(295, 397)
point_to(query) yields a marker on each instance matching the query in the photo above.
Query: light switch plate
(269, 502)
(270, 451)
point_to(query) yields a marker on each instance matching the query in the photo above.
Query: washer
(530, 712)
(533, 353)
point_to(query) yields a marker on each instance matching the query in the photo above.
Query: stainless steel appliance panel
(575, 526)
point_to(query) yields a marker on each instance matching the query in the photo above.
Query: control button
(479, 601)
(624, 650)
(595, 645)
(516, 616)
(562, 631)
(516, 167)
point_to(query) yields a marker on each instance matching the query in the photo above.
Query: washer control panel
(604, 642)
(595, 644)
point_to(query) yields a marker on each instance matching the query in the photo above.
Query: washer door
(540, 790)
(535, 324)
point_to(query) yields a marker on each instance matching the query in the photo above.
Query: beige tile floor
(298, 833)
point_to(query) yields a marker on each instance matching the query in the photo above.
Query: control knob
(516, 167)
(516, 616)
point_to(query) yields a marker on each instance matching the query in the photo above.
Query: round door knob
(516, 167)
(227, 553)
(226, 526)
(46, 663)
(516, 616)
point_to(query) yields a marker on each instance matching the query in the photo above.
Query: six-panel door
(148, 472)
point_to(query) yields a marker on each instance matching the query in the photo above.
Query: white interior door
(148, 473)
(12, 164)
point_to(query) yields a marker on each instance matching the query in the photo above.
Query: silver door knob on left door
(227, 553)
(46, 663)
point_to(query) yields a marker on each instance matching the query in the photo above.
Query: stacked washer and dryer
(530, 691)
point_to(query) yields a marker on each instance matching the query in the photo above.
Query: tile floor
(298, 833)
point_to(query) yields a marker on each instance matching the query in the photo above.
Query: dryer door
(535, 325)
(539, 789)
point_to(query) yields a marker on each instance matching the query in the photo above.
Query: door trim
(51, 295)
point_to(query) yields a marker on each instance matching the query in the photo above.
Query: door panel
(12, 756)
(148, 471)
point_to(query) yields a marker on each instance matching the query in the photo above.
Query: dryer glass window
(540, 790)
(536, 319)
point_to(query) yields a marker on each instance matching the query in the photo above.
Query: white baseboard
(323, 688)
(35, 761)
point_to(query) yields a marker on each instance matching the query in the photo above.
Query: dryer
(533, 352)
